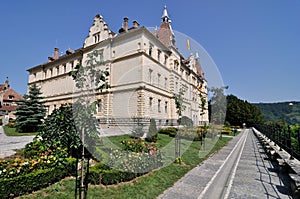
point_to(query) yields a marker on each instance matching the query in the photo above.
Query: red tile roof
(11, 95)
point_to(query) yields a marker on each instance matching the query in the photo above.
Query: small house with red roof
(8, 101)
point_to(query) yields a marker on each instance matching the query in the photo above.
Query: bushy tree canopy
(31, 111)
(239, 112)
(59, 127)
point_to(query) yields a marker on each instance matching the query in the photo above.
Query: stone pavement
(9, 143)
(239, 170)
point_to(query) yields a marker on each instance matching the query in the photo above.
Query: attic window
(11, 97)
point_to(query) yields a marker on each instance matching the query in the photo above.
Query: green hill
(287, 111)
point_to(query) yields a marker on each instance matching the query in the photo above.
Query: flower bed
(137, 158)
(42, 166)
(35, 180)
(43, 158)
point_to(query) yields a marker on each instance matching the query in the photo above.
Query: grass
(13, 132)
(147, 186)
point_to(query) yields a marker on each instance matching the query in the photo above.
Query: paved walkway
(239, 170)
(9, 143)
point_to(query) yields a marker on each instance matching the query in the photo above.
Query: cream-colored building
(146, 70)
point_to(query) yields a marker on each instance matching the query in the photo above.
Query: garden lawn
(13, 132)
(148, 186)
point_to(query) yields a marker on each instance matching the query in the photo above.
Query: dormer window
(11, 97)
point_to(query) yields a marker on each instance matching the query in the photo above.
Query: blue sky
(254, 43)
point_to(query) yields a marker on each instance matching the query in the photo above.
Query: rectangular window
(72, 65)
(165, 61)
(150, 103)
(181, 71)
(158, 105)
(150, 49)
(101, 56)
(57, 70)
(176, 65)
(99, 106)
(158, 79)
(166, 82)
(150, 76)
(65, 68)
(166, 107)
(158, 55)
(50, 72)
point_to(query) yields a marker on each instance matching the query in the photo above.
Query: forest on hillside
(282, 111)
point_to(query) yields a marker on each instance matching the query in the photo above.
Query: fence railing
(284, 136)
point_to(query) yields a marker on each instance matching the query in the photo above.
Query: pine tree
(31, 111)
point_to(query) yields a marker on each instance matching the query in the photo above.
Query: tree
(217, 105)
(179, 102)
(31, 111)
(88, 79)
(239, 112)
(59, 127)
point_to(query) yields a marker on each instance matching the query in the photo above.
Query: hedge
(36, 180)
(101, 174)
(193, 134)
(171, 131)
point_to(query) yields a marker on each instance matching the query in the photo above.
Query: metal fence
(284, 136)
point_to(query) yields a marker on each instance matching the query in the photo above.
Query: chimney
(56, 51)
(135, 24)
(69, 52)
(125, 24)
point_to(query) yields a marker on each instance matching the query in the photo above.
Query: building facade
(146, 71)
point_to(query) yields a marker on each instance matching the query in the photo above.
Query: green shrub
(152, 133)
(109, 176)
(138, 131)
(186, 121)
(171, 131)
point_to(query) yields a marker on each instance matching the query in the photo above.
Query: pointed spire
(165, 33)
(165, 17)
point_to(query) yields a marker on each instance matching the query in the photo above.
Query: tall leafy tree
(31, 111)
(240, 111)
(217, 105)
